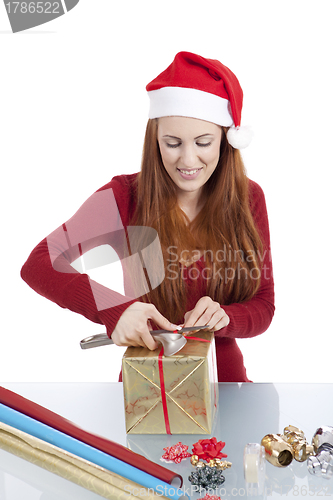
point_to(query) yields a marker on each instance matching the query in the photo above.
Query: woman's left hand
(207, 312)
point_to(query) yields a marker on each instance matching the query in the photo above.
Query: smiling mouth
(189, 172)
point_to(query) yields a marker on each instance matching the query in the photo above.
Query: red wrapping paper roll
(48, 417)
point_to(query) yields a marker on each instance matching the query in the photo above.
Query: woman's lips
(191, 173)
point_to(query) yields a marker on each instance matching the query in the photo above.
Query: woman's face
(190, 150)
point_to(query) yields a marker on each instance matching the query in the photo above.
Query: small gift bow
(214, 462)
(210, 497)
(175, 453)
(206, 476)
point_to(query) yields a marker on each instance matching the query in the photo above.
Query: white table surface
(247, 412)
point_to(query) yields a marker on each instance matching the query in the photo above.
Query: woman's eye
(200, 144)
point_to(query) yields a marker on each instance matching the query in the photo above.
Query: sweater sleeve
(254, 316)
(48, 270)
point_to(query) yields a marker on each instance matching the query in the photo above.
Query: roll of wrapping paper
(37, 412)
(37, 429)
(69, 466)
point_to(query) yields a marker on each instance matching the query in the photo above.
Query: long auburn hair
(224, 227)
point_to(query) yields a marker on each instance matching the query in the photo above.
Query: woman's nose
(189, 158)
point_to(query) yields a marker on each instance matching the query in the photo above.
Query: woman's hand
(207, 312)
(133, 326)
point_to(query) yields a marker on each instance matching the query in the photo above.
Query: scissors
(172, 340)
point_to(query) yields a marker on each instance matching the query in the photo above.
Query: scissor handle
(102, 339)
(95, 341)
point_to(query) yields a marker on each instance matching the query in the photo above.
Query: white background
(73, 113)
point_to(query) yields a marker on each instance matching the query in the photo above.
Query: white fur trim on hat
(239, 137)
(193, 103)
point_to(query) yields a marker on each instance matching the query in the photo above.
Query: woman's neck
(191, 204)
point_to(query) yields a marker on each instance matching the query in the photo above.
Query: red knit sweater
(100, 220)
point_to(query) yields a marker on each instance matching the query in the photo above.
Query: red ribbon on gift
(162, 384)
(163, 396)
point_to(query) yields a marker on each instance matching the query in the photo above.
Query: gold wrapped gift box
(190, 381)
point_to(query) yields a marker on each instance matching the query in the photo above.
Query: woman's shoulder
(122, 183)
(255, 189)
(256, 194)
(124, 192)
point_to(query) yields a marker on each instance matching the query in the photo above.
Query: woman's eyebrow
(179, 139)
(203, 135)
(172, 137)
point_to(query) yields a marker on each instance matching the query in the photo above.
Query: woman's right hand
(133, 326)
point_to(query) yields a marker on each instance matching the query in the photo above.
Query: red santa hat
(196, 87)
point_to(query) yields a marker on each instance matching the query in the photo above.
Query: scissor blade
(183, 330)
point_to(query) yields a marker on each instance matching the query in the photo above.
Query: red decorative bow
(207, 449)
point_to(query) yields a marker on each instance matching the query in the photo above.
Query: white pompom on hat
(196, 87)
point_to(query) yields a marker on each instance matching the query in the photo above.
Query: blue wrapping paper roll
(57, 438)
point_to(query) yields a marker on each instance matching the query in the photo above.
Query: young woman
(210, 262)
